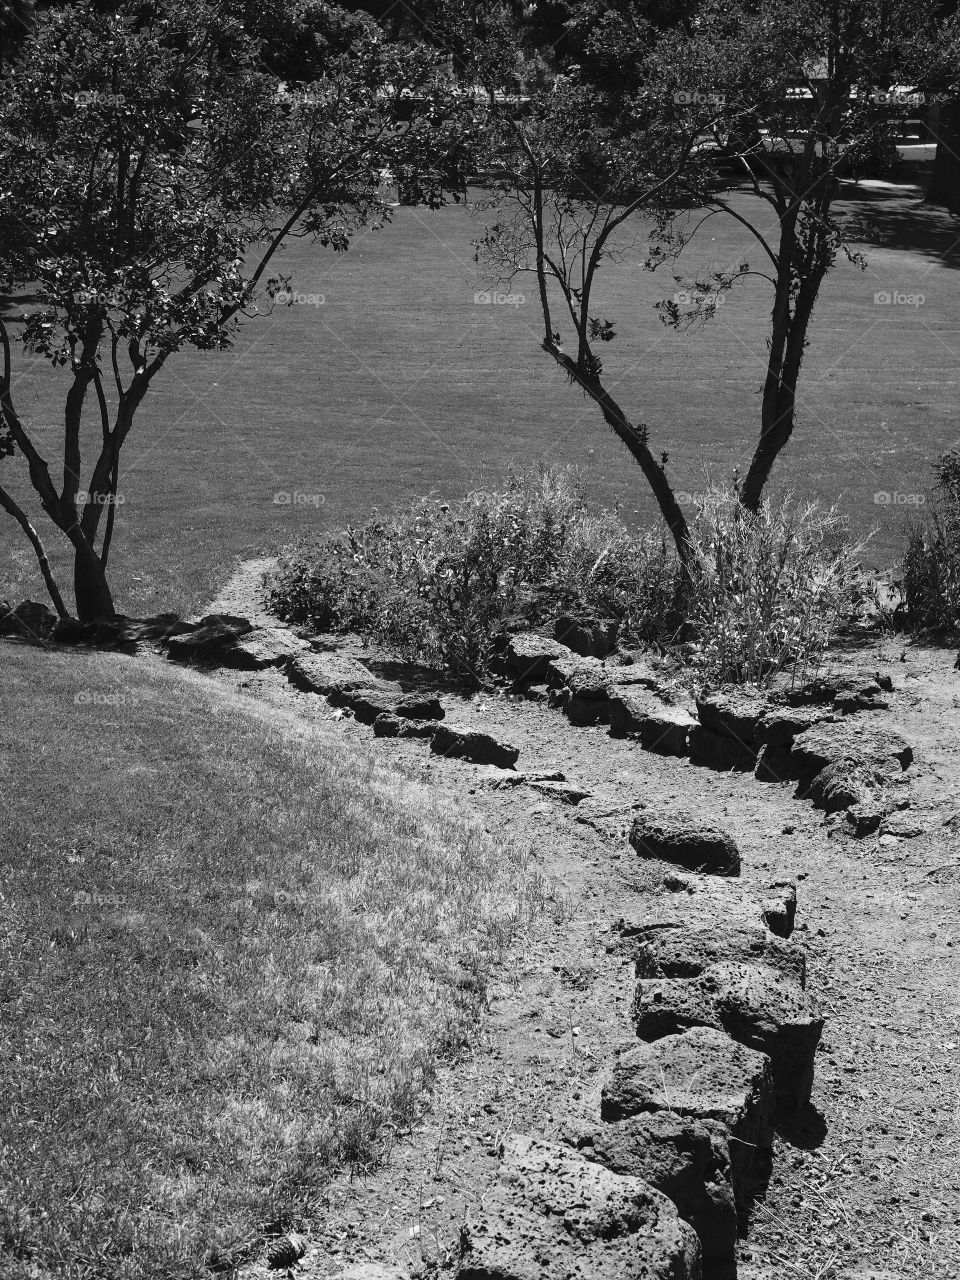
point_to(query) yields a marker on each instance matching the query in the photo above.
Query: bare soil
(870, 1188)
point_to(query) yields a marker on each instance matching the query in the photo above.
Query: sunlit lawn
(399, 383)
(232, 954)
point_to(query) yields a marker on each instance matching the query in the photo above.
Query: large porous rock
(779, 907)
(205, 639)
(388, 725)
(590, 637)
(688, 1160)
(754, 1005)
(585, 697)
(263, 647)
(736, 715)
(561, 672)
(680, 951)
(690, 900)
(841, 785)
(638, 713)
(336, 675)
(29, 619)
(847, 765)
(420, 706)
(631, 672)
(868, 745)
(470, 744)
(857, 691)
(555, 1216)
(384, 698)
(685, 840)
(704, 1074)
(781, 723)
(528, 655)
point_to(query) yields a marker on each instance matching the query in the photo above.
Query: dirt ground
(871, 1188)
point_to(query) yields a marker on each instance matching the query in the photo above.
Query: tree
(789, 95)
(575, 183)
(152, 168)
(679, 111)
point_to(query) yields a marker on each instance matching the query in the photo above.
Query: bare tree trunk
(13, 508)
(777, 416)
(635, 438)
(90, 587)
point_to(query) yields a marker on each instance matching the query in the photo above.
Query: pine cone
(287, 1251)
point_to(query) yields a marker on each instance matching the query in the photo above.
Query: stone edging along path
(661, 1181)
(679, 1147)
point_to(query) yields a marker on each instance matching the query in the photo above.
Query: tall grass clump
(442, 581)
(931, 560)
(770, 588)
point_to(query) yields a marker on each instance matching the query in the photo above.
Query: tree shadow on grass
(13, 304)
(896, 218)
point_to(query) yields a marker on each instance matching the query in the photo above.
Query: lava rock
(261, 648)
(659, 726)
(779, 908)
(704, 1074)
(555, 1216)
(738, 716)
(686, 952)
(388, 725)
(470, 744)
(781, 724)
(865, 818)
(29, 619)
(205, 639)
(335, 675)
(753, 1005)
(420, 706)
(528, 655)
(877, 748)
(590, 637)
(841, 785)
(680, 838)
(688, 1160)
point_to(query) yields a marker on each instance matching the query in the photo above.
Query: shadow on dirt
(806, 1128)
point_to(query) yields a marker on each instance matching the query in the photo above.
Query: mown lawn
(399, 383)
(232, 953)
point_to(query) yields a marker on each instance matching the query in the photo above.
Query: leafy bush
(770, 588)
(441, 582)
(931, 560)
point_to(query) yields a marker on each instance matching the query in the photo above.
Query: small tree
(749, 110)
(152, 168)
(787, 96)
(575, 185)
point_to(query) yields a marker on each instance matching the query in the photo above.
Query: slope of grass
(232, 954)
(399, 383)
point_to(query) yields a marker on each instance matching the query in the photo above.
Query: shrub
(770, 588)
(441, 582)
(931, 560)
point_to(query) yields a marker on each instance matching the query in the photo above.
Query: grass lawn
(399, 383)
(231, 955)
